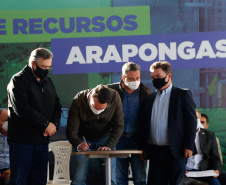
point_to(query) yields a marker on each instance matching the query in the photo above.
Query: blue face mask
(159, 82)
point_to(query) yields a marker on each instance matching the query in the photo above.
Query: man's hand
(4, 133)
(6, 175)
(45, 134)
(103, 148)
(217, 172)
(142, 155)
(187, 153)
(83, 147)
(50, 130)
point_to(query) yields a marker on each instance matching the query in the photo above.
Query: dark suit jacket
(210, 152)
(182, 121)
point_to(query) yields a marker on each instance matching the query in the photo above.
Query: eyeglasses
(44, 67)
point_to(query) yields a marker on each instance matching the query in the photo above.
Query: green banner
(17, 26)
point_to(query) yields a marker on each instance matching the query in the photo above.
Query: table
(107, 155)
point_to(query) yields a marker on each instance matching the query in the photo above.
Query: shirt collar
(165, 91)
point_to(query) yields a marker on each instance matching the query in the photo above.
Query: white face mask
(95, 111)
(5, 126)
(132, 85)
(199, 124)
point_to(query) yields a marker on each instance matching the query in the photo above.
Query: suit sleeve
(190, 121)
(117, 123)
(215, 161)
(219, 150)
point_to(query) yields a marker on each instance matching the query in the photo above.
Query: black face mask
(40, 73)
(159, 82)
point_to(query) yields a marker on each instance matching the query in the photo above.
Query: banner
(42, 25)
(106, 54)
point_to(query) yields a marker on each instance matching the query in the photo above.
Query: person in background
(207, 155)
(95, 122)
(169, 126)
(34, 115)
(205, 122)
(132, 93)
(4, 148)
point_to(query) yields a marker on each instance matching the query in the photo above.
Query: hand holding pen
(84, 146)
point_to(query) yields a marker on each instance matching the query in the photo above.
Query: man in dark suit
(169, 126)
(207, 156)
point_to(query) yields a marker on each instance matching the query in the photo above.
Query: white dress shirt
(193, 161)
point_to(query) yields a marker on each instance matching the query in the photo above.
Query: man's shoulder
(82, 93)
(114, 93)
(144, 88)
(206, 131)
(151, 95)
(22, 74)
(19, 77)
(114, 86)
(180, 89)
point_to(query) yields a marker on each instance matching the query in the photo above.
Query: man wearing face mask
(169, 127)
(34, 114)
(132, 94)
(207, 155)
(95, 122)
(205, 122)
(4, 148)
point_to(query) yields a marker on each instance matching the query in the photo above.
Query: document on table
(206, 173)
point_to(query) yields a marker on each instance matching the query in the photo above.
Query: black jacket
(209, 148)
(83, 122)
(31, 108)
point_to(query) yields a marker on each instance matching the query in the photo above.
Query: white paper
(207, 173)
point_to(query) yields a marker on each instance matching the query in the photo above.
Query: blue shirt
(159, 118)
(4, 152)
(131, 108)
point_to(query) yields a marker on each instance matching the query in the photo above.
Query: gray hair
(129, 66)
(40, 53)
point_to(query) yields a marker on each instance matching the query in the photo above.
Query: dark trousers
(28, 164)
(222, 177)
(163, 168)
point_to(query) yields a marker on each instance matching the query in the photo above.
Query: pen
(86, 143)
(84, 138)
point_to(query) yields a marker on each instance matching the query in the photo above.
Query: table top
(108, 152)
